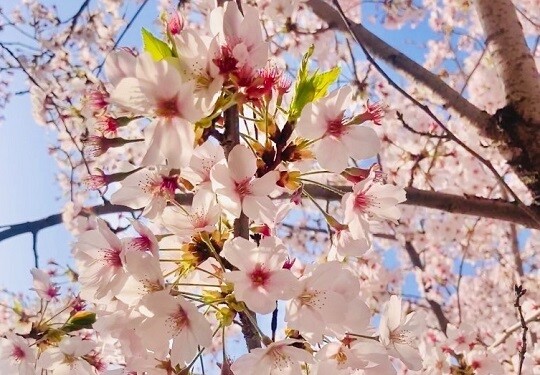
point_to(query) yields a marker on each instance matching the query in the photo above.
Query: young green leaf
(157, 48)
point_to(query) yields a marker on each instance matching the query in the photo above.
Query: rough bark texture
(519, 120)
(513, 59)
(517, 140)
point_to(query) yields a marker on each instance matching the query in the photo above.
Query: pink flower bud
(175, 23)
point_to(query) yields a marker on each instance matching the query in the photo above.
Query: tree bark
(513, 59)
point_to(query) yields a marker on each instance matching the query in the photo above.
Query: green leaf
(310, 87)
(80, 320)
(157, 48)
(303, 71)
(323, 81)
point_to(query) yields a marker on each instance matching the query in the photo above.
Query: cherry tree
(270, 187)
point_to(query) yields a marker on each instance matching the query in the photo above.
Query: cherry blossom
(65, 359)
(371, 200)
(278, 357)
(201, 217)
(43, 285)
(172, 104)
(238, 189)
(176, 318)
(398, 333)
(150, 188)
(16, 355)
(100, 256)
(203, 159)
(324, 122)
(240, 36)
(261, 279)
(187, 279)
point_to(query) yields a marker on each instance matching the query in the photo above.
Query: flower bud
(175, 23)
(97, 145)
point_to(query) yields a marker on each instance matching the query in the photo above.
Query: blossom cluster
(189, 144)
(170, 293)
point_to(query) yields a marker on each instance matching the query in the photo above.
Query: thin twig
(520, 292)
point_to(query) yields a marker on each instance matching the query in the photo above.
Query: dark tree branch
(403, 63)
(456, 204)
(434, 305)
(517, 140)
(520, 292)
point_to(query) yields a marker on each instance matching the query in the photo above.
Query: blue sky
(29, 190)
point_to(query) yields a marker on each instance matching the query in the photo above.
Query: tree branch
(480, 119)
(434, 305)
(508, 331)
(512, 57)
(516, 139)
(456, 204)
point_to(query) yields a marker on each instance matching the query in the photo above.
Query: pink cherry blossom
(177, 319)
(241, 43)
(150, 188)
(43, 285)
(172, 105)
(277, 358)
(261, 279)
(483, 363)
(100, 256)
(238, 189)
(371, 200)
(146, 241)
(144, 277)
(203, 159)
(16, 355)
(67, 357)
(202, 216)
(325, 123)
(398, 333)
(317, 304)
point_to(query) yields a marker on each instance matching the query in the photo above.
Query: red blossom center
(112, 258)
(166, 187)
(242, 187)
(52, 291)
(141, 243)
(107, 125)
(18, 353)
(335, 128)
(179, 319)
(225, 60)
(361, 202)
(168, 108)
(260, 275)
